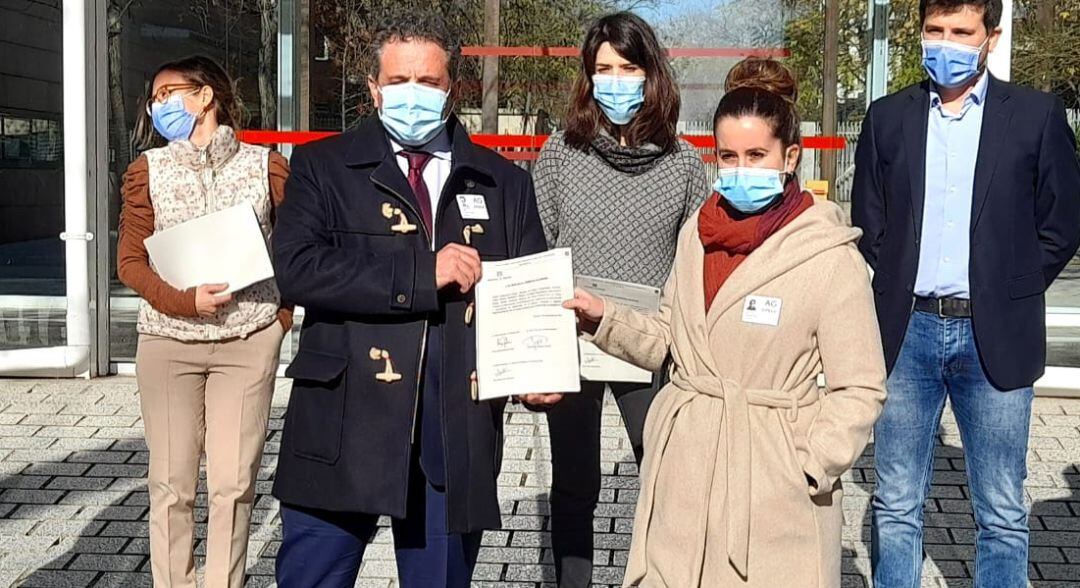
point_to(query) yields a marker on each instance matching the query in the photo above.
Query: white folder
(223, 247)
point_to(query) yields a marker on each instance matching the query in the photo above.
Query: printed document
(526, 342)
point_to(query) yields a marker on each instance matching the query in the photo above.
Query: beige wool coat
(743, 451)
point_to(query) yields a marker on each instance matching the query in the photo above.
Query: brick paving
(73, 500)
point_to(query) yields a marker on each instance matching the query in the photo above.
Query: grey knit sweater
(620, 225)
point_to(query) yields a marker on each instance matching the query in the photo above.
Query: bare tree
(116, 12)
(267, 62)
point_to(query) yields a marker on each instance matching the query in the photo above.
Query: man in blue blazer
(967, 189)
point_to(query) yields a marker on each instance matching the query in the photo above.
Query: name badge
(472, 207)
(762, 310)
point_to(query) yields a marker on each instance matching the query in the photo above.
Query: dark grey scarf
(629, 160)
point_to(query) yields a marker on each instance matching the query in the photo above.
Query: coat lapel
(690, 278)
(995, 126)
(371, 147)
(916, 116)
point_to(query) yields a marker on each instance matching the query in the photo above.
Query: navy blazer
(348, 436)
(1025, 219)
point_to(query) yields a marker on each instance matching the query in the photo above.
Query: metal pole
(491, 69)
(878, 68)
(99, 212)
(286, 68)
(302, 90)
(828, 94)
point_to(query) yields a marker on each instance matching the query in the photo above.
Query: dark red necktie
(417, 161)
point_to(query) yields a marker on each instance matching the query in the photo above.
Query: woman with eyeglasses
(206, 359)
(615, 186)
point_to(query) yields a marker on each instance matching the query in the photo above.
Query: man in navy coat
(380, 239)
(967, 189)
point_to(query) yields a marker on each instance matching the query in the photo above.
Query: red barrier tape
(530, 142)
(479, 51)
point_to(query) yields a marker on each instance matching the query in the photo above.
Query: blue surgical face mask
(951, 64)
(750, 189)
(172, 120)
(413, 113)
(620, 97)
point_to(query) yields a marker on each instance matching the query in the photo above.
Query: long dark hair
(766, 89)
(201, 71)
(635, 41)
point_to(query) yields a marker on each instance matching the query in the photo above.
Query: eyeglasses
(165, 92)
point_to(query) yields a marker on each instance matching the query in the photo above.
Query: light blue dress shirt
(952, 148)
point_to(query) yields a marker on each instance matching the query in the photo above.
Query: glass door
(33, 276)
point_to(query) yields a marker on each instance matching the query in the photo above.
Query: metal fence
(845, 162)
(845, 166)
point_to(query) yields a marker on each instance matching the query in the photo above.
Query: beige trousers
(213, 396)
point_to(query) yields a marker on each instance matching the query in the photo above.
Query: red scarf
(730, 236)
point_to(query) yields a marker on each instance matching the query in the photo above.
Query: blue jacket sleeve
(313, 273)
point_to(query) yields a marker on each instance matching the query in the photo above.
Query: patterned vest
(187, 182)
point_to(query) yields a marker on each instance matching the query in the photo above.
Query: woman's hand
(207, 302)
(588, 308)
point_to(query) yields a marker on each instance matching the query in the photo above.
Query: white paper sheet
(223, 247)
(597, 365)
(526, 342)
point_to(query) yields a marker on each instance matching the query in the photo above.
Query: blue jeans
(937, 360)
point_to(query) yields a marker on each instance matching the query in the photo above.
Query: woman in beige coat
(743, 451)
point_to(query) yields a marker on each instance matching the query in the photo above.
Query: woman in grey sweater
(615, 187)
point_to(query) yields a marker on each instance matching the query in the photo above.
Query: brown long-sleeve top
(137, 223)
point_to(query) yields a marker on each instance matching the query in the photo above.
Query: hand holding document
(223, 247)
(597, 365)
(525, 339)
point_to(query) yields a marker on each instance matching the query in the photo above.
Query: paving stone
(126, 580)
(72, 483)
(1064, 572)
(534, 572)
(96, 545)
(58, 579)
(107, 563)
(31, 496)
(68, 528)
(68, 502)
(118, 471)
(45, 512)
(508, 555)
(87, 498)
(98, 457)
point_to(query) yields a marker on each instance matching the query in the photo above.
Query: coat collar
(223, 146)
(821, 228)
(371, 146)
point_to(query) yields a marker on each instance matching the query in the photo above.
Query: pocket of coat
(317, 404)
(793, 452)
(1027, 285)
